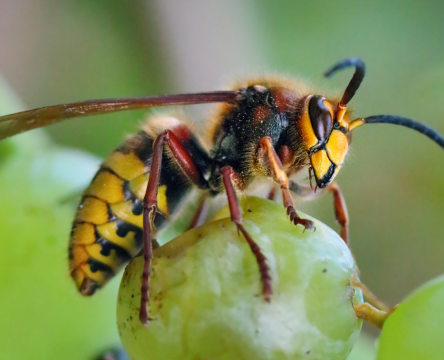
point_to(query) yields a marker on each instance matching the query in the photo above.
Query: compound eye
(320, 117)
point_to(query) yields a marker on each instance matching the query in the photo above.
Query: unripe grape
(43, 317)
(206, 300)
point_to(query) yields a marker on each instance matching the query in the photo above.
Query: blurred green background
(62, 51)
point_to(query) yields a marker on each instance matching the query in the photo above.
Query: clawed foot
(307, 224)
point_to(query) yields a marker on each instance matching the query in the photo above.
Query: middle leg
(236, 217)
(187, 166)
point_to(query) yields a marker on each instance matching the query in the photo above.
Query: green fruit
(43, 317)
(364, 349)
(206, 298)
(415, 330)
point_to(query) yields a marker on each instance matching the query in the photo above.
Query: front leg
(340, 207)
(268, 154)
(341, 213)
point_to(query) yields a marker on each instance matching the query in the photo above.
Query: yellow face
(325, 139)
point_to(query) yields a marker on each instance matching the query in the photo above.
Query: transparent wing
(27, 120)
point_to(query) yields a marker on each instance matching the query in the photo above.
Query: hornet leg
(341, 212)
(200, 214)
(266, 152)
(342, 218)
(190, 170)
(236, 217)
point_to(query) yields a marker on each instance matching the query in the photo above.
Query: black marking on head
(320, 117)
(316, 148)
(96, 266)
(327, 178)
(342, 129)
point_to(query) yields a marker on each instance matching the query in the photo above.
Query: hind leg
(189, 169)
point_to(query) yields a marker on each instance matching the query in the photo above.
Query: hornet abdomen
(107, 231)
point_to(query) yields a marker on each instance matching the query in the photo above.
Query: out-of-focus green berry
(415, 330)
(206, 298)
(42, 316)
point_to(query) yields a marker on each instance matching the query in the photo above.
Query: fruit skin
(206, 298)
(415, 330)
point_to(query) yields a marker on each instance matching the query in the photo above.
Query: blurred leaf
(415, 331)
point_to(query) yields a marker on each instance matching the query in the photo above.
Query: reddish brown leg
(272, 194)
(236, 217)
(186, 164)
(268, 154)
(341, 212)
(200, 215)
(306, 192)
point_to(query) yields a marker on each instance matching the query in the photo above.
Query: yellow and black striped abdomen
(107, 231)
